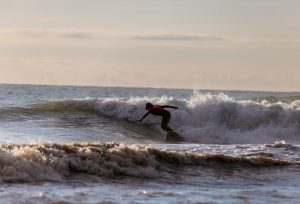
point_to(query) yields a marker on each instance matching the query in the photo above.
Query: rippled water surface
(64, 144)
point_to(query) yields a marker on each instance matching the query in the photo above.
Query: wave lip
(56, 162)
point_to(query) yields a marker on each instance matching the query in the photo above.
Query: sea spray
(203, 118)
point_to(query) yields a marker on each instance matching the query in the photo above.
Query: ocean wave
(204, 118)
(56, 162)
(277, 99)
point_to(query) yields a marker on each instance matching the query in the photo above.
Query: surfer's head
(148, 106)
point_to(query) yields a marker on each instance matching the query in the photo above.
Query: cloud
(171, 37)
(37, 33)
(54, 33)
(77, 35)
(212, 38)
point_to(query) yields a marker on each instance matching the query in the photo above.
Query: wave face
(205, 118)
(56, 162)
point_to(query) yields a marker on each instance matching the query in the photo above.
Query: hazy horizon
(145, 87)
(195, 44)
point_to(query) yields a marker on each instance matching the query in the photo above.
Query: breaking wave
(56, 162)
(205, 118)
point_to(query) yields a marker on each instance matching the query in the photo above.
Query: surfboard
(174, 137)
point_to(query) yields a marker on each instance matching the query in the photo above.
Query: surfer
(159, 111)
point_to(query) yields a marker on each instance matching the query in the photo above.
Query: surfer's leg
(164, 122)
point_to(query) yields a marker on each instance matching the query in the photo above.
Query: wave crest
(204, 118)
(54, 162)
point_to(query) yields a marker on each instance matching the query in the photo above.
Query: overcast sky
(206, 44)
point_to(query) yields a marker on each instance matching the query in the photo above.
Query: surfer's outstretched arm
(140, 120)
(167, 106)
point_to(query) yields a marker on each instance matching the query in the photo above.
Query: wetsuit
(166, 116)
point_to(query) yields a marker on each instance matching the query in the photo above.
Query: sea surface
(70, 144)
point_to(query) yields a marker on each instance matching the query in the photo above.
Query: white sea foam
(56, 162)
(204, 118)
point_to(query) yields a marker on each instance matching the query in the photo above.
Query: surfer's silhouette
(159, 111)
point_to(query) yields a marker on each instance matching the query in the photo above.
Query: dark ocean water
(63, 144)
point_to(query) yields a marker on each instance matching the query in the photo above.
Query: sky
(197, 44)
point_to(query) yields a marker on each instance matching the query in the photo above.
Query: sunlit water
(81, 145)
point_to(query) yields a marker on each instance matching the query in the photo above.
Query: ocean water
(65, 144)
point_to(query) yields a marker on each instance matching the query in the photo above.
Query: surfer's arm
(140, 120)
(167, 106)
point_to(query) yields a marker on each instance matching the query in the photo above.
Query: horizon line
(146, 87)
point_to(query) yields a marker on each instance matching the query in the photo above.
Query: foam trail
(56, 162)
(205, 118)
